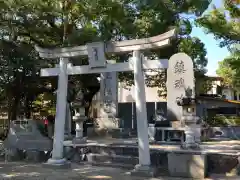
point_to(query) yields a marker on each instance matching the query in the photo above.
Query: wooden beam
(111, 47)
(126, 66)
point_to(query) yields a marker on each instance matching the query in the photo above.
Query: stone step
(115, 153)
(117, 161)
(125, 161)
(115, 149)
(121, 133)
(114, 165)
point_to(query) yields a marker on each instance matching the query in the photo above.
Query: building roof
(217, 99)
(215, 78)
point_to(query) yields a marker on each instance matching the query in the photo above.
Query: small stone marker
(180, 78)
(24, 135)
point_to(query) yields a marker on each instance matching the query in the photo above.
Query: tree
(229, 69)
(57, 23)
(225, 25)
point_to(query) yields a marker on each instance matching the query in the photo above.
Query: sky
(214, 52)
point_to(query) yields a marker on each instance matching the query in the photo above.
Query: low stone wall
(225, 132)
(182, 163)
(222, 164)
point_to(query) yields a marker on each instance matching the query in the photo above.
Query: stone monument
(181, 102)
(108, 111)
(180, 76)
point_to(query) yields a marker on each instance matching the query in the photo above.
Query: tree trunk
(14, 108)
(27, 108)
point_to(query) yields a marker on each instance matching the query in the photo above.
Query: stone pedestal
(151, 132)
(191, 131)
(190, 139)
(144, 171)
(35, 156)
(197, 133)
(57, 163)
(79, 139)
(187, 165)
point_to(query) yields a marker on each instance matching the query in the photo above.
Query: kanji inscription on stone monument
(179, 83)
(179, 70)
(179, 67)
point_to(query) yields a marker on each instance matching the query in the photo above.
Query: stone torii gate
(98, 64)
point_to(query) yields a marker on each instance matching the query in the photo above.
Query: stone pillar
(68, 123)
(108, 111)
(141, 112)
(57, 153)
(79, 129)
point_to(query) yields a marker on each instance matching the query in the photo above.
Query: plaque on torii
(98, 64)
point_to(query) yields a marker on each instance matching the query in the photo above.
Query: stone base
(119, 133)
(35, 156)
(13, 154)
(187, 165)
(108, 122)
(67, 137)
(113, 133)
(143, 171)
(190, 146)
(57, 163)
(82, 140)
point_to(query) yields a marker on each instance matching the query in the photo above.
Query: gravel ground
(23, 171)
(26, 171)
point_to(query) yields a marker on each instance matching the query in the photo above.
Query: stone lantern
(79, 117)
(190, 121)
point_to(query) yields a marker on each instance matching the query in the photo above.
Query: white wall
(127, 94)
(215, 84)
(228, 93)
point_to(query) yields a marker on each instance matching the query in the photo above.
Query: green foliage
(227, 73)
(51, 23)
(45, 104)
(224, 24)
(221, 120)
(203, 85)
(229, 69)
(196, 50)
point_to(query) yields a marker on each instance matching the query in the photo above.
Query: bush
(223, 120)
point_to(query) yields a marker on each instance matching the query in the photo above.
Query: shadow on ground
(24, 171)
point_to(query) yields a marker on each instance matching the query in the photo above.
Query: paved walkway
(24, 171)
